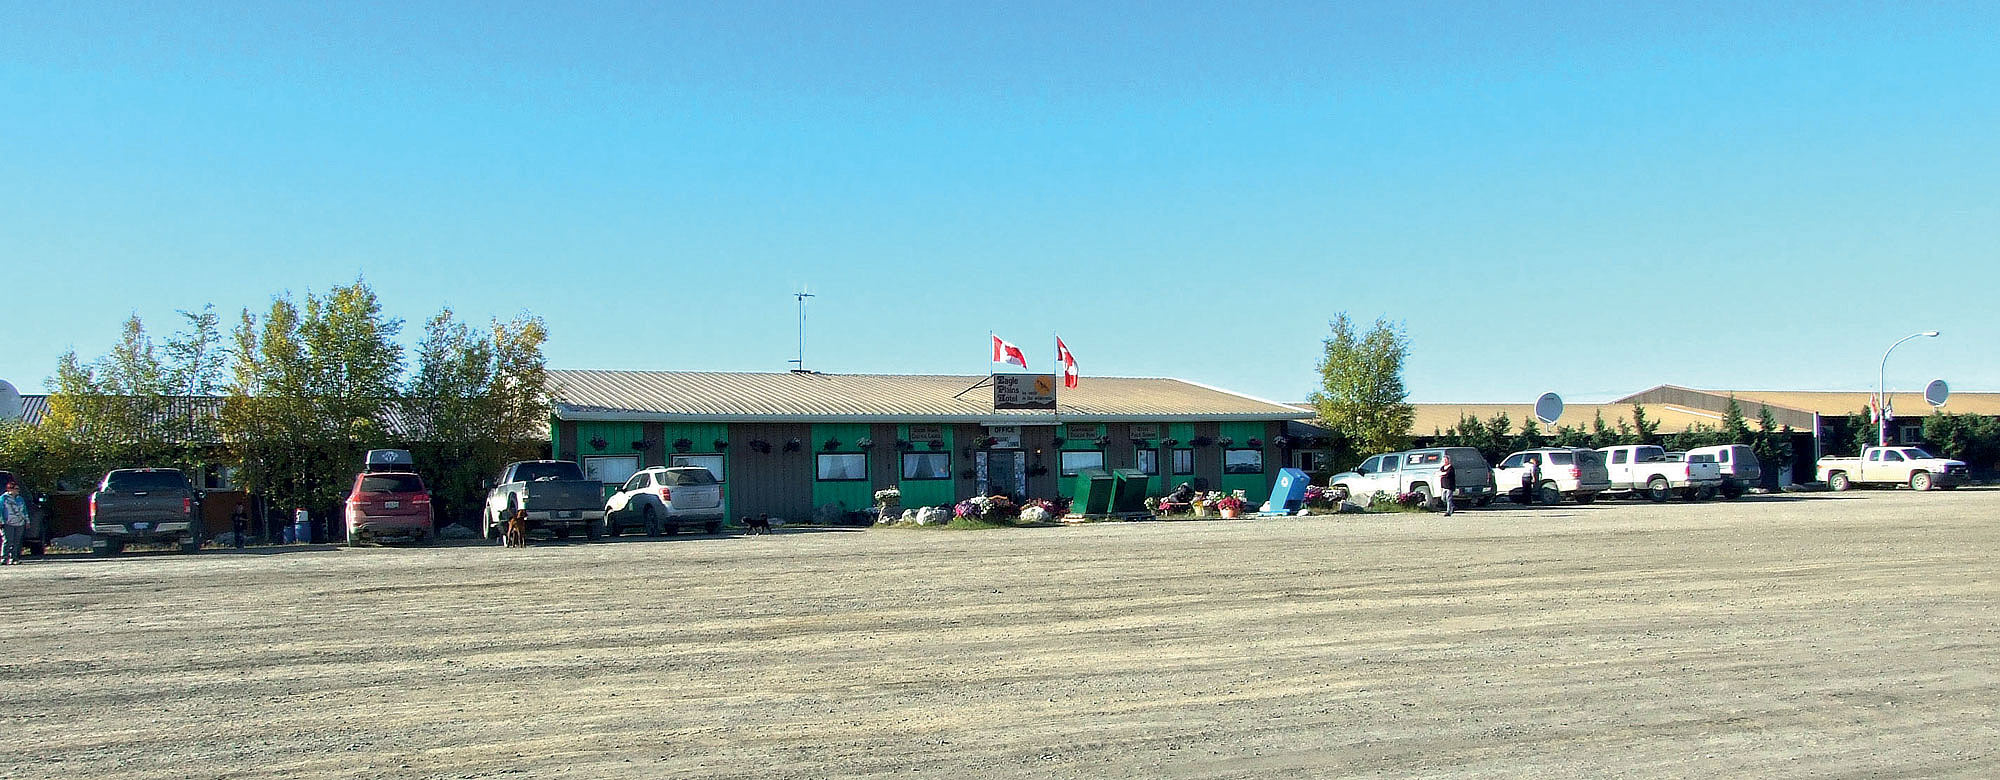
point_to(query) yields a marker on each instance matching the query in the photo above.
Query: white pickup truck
(1893, 466)
(1651, 471)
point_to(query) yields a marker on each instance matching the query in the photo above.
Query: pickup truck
(144, 506)
(1415, 471)
(1740, 467)
(36, 540)
(556, 494)
(1893, 466)
(1651, 471)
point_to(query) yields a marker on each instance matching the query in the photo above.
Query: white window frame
(1234, 450)
(1147, 461)
(905, 466)
(594, 467)
(721, 462)
(1064, 468)
(819, 468)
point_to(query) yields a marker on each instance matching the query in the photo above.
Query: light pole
(1881, 397)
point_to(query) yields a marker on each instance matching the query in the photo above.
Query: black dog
(760, 524)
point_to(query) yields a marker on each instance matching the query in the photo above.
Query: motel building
(786, 443)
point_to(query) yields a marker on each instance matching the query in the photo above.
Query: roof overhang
(572, 414)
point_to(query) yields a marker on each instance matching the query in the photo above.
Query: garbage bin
(1092, 492)
(302, 530)
(1129, 494)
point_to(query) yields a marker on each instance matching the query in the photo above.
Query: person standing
(239, 525)
(1531, 480)
(13, 523)
(1448, 484)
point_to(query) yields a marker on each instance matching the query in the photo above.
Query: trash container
(1092, 492)
(1289, 493)
(1128, 496)
(302, 530)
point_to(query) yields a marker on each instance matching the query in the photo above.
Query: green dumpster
(1092, 493)
(1129, 497)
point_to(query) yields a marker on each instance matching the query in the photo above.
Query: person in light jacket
(13, 523)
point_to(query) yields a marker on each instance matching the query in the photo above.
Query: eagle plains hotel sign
(1024, 391)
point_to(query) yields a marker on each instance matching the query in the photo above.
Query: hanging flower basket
(1282, 440)
(989, 442)
(1060, 440)
(683, 445)
(1141, 443)
(720, 444)
(937, 446)
(967, 473)
(1169, 442)
(643, 445)
(1226, 441)
(1255, 443)
(760, 445)
(1036, 471)
(1200, 441)
(1102, 442)
(794, 445)
(904, 445)
(598, 443)
(865, 443)
(830, 444)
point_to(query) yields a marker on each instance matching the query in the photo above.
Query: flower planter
(1230, 514)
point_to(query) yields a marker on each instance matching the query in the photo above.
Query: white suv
(664, 498)
(1573, 473)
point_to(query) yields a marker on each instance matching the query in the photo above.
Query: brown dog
(517, 529)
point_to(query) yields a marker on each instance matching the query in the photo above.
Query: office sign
(1024, 391)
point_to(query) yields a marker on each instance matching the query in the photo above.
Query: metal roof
(697, 396)
(178, 414)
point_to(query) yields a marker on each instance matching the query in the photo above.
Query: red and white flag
(1068, 363)
(1004, 352)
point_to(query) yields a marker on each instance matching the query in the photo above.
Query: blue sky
(1587, 198)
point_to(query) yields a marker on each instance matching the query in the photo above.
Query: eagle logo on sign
(1044, 385)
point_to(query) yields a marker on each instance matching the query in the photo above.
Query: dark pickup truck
(144, 506)
(556, 494)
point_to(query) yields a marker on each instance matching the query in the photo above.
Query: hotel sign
(1024, 391)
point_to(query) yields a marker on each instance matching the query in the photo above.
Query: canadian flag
(1004, 352)
(1068, 363)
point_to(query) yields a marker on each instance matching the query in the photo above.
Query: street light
(1881, 397)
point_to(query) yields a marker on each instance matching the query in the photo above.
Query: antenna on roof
(802, 295)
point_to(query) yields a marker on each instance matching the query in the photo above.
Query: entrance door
(1002, 473)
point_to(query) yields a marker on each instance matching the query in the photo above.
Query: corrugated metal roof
(400, 421)
(1434, 418)
(816, 397)
(1833, 404)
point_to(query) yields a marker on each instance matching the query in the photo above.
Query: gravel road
(1825, 635)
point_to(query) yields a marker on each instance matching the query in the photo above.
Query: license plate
(391, 504)
(572, 513)
(142, 526)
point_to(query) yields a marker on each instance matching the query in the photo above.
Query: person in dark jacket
(1531, 480)
(1448, 484)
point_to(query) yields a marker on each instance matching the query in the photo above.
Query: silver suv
(1567, 473)
(664, 498)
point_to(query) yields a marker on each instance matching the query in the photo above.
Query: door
(1002, 472)
(621, 501)
(1507, 475)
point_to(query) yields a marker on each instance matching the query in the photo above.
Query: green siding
(927, 492)
(858, 495)
(617, 436)
(1086, 442)
(1256, 487)
(701, 438)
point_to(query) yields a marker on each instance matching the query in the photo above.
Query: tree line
(292, 397)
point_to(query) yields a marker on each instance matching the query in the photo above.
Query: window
(711, 462)
(1389, 463)
(843, 467)
(1618, 456)
(1561, 458)
(1912, 433)
(926, 465)
(608, 469)
(1423, 458)
(1072, 462)
(145, 481)
(687, 475)
(1514, 461)
(1243, 461)
(1149, 462)
(1875, 455)
(392, 483)
(638, 481)
(1722, 455)
(1183, 461)
(1892, 456)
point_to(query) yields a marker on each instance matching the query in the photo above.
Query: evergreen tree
(1735, 429)
(1646, 431)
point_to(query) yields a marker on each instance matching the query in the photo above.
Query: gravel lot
(1824, 635)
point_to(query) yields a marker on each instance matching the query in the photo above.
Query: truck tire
(1424, 498)
(1920, 481)
(1657, 490)
(672, 529)
(652, 523)
(1732, 490)
(562, 532)
(610, 523)
(1838, 481)
(191, 545)
(713, 527)
(1485, 501)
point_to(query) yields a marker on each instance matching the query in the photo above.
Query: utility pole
(801, 295)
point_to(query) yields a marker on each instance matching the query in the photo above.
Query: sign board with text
(1024, 391)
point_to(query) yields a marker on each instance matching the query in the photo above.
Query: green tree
(479, 400)
(1601, 435)
(1531, 437)
(1735, 429)
(1643, 430)
(1361, 385)
(1861, 431)
(1772, 445)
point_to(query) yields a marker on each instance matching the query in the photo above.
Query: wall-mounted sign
(1145, 430)
(1024, 391)
(925, 434)
(1005, 437)
(1082, 432)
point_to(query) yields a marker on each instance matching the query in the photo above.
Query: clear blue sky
(1590, 198)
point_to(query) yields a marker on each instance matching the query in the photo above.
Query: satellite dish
(10, 402)
(1937, 392)
(1549, 408)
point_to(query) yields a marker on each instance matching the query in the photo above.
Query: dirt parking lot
(1825, 635)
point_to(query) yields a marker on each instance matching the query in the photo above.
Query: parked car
(1647, 470)
(388, 505)
(664, 498)
(35, 539)
(1740, 468)
(1573, 473)
(1415, 471)
(145, 506)
(1893, 466)
(556, 494)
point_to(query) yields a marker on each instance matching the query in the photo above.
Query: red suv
(388, 504)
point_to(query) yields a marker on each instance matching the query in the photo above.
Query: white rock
(456, 531)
